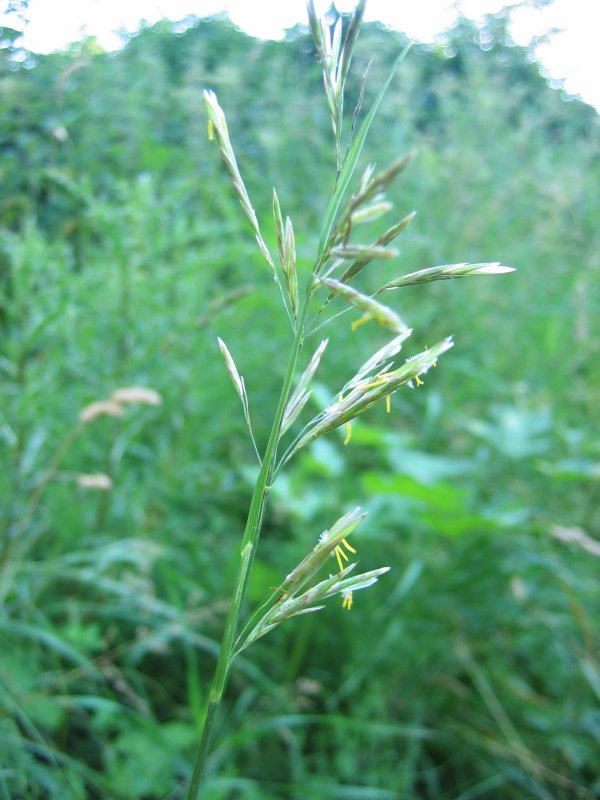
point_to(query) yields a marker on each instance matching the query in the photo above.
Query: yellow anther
(388, 403)
(418, 381)
(347, 595)
(211, 130)
(348, 427)
(358, 322)
(348, 546)
(380, 380)
(434, 362)
(339, 554)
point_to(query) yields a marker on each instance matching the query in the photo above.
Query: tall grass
(471, 668)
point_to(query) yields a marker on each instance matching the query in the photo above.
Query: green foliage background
(472, 670)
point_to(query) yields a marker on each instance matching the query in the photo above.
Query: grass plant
(340, 253)
(471, 669)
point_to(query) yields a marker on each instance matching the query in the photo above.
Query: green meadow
(470, 670)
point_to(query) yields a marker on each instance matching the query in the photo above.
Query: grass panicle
(121, 260)
(374, 382)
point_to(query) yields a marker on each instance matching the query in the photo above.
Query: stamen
(348, 546)
(348, 427)
(339, 554)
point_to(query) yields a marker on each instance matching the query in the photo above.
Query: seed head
(100, 408)
(133, 395)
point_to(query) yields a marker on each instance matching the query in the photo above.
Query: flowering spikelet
(326, 545)
(379, 359)
(133, 395)
(364, 390)
(446, 272)
(292, 596)
(100, 408)
(99, 482)
(372, 309)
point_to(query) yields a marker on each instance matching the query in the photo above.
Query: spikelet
(326, 545)
(301, 393)
(136, 395)
(99, 481)
(390, 234)
(371, 212)
(377, 361)
(372, 309)
(295, 599)
(335, 56)
(365, 390)
(218, 129)
(100, 408)
(279, 229)
(235, 376)
(363, 252)
(289, 266)
(446, 272)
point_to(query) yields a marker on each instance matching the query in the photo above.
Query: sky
(572, 55)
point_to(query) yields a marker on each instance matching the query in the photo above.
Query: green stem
(248, 550)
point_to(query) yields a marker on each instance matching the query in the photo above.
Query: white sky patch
(572, 54)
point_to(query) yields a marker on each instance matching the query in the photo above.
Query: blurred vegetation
(473, 670)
